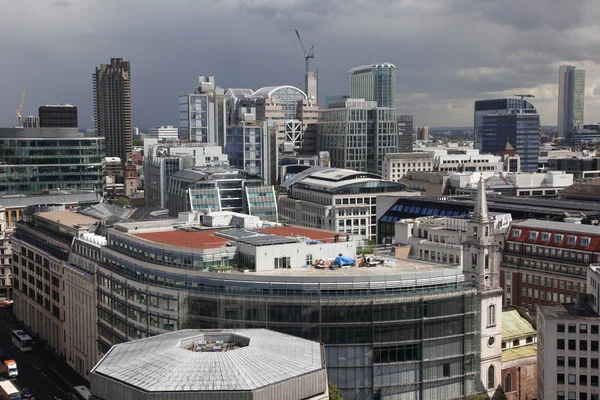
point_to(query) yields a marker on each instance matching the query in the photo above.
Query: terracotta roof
(515, 326)
(196, 240)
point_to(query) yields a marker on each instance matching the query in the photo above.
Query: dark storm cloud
(448, 53)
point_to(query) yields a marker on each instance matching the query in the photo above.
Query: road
(34, 372)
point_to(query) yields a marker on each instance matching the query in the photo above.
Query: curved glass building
(403, 330)
(37, 159)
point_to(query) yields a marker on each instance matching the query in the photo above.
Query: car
(27, 394)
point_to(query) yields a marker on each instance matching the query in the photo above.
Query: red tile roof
(594, 244)
(314, 234)
(196, 240)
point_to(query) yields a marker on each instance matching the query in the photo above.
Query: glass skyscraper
(375, 82)
(571, 94)
(521, 130)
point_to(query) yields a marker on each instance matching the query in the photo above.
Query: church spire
(480, 213)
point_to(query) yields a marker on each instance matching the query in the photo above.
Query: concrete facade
(112, 107)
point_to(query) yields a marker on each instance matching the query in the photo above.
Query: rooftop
(216, 238)
(162, 363)
(515, 326)
(377, 65)
(68, 218)
(557, 226)
(566, 311)
(403, 156)
(514, 353)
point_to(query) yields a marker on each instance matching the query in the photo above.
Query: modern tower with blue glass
(513, 120)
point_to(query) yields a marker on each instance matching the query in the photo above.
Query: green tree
(334, 392)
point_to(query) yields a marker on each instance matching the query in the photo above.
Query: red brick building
(545, 262)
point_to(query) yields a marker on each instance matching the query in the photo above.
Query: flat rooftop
(567, 311)
(216, 238)
(204, 239)
(68, 218)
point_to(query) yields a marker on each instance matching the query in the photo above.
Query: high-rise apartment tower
(112, 107)
(571, 93)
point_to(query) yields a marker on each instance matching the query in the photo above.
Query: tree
(334, 392)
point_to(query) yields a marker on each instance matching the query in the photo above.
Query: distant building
(406, 134)
(290, 368)
(30, 121)
(58, 116)
(586, 134)
(513, 183)
(164, 132)
(33, 160)
(334, 199)
(374, 82)
(206, 189)
(522, 129)
(571, 95)
(202, 113)
(397, 165)
(423, 133)
(164, 159)
(112, 107)
(357, 134)
(335, 99)
(501, 107)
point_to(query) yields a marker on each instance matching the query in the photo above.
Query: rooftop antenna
(307, 56)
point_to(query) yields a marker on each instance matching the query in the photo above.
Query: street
(34, 371)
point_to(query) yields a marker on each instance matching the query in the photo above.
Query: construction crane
(19, 119)
(93, 120)
(307, 56)
(522, 96)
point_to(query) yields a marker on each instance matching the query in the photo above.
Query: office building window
(572, 344)
(560, 361)
(560, 344)
(572, 379)
(560, 327)
(560, 379)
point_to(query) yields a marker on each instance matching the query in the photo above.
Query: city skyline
(442, 66)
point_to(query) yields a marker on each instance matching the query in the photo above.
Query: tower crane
(307, 56)
(19, 119)
(522, 96)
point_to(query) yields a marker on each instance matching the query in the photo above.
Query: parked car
(27, 394)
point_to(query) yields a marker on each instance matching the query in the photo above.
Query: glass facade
(28, 166)
(571, 95)
(244, 148)
(385, 336)
(375, 82)
(194, 118)
(521, 130)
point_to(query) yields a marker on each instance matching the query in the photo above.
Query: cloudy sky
(448, 52)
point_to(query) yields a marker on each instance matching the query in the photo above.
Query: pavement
(39, 369)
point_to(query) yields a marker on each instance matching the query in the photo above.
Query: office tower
(37, 159)
(202, 114)
(522, 131)
(164, 132)
(112, 107)
(423, 133)
(357, 134)
(571, 93)
(375, 82)
(406, 133)
(58, 116)
(497, 106)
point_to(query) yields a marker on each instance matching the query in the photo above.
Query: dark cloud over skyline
(448, 53)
